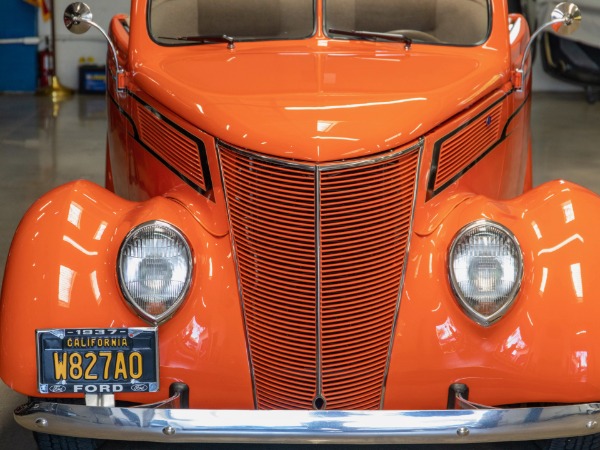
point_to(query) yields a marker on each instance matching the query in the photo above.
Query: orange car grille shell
(320, 252)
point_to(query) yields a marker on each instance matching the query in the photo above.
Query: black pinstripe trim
(431, 192)
(199, 143)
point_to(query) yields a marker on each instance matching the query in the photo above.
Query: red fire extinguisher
(45, 65)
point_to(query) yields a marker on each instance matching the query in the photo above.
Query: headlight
(486, 267)
(155, 268)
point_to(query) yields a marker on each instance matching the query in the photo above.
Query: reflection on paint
(194, 334)
(75, 214)
(577, 281)
(65, 285)
(447, 335)
(324, 126)
(536, 229)
(544, 279)
(353, 105)
(100, 230)
(568, 211)
(336, 138)
(95, 287)
(575, 237)
(515, 345)
(68, 240)
(579, 362)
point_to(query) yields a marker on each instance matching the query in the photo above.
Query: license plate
(97, 360)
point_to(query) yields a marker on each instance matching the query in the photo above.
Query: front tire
(590, 442)
(56, 442)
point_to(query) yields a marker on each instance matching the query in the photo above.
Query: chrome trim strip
(237, 275)
(312, 166)
(295, 427)
(318, 277)
(421, 150)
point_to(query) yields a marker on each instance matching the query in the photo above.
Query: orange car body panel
(65, 274)
(541, 350)
(275, 97)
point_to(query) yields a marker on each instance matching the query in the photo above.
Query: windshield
(455, 22)
(238, 19)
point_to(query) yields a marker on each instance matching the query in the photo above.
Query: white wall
(71, 47)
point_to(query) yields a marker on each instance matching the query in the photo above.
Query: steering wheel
(416, 35)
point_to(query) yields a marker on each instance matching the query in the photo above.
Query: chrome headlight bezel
(134, 234)
(485, 225)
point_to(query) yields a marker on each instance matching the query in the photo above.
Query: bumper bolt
(169, 431)
(592, 424)
(463, 431)
(41, 423)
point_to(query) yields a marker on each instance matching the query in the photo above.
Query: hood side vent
(177, 150)
(460, 149)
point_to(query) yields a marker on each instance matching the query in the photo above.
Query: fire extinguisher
(45, 65)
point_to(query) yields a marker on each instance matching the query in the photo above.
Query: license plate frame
(110, 360)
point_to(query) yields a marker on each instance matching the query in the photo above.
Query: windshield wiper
(373, 35)
(205, 39)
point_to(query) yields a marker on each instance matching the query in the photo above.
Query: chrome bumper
(334, 427)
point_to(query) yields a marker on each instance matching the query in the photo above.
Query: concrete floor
(43, 145)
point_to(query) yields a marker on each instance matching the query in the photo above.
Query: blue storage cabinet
(18, 62)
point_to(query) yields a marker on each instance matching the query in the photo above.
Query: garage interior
(44, 144)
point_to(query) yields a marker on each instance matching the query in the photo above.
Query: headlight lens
(486, 268)
(155, 267)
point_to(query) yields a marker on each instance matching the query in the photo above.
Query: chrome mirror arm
(78, 20)
(120, 73)
(534, 36)
(566, 18)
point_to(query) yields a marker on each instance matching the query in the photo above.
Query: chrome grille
(320, 251)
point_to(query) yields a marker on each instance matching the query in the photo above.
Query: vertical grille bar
(318, 400)
(320, 253)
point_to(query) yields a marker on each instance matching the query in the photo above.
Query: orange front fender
(547, 346)
(61, 273)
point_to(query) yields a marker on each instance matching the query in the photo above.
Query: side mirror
(564, 20)
(78, 20)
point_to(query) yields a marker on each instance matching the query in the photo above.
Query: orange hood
(318, 105)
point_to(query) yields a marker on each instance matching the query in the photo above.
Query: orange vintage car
(318, 226)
